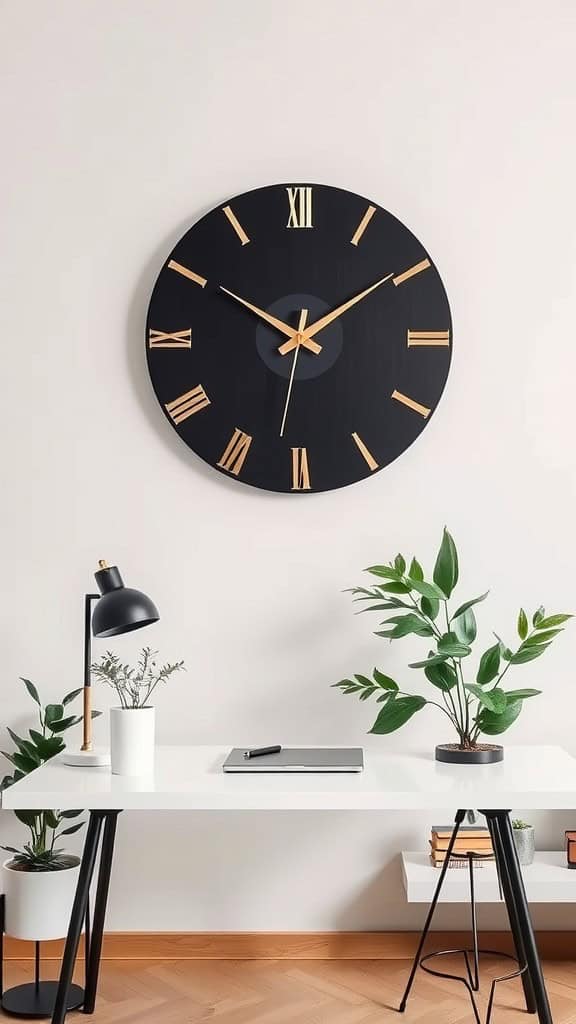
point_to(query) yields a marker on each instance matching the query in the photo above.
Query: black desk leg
(460, 815)
(507, 893)
(104, 872)
(518, 911)
(79, 912)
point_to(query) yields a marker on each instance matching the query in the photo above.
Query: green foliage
(420, 604)
(134, 686)
(40, 853)
(519, 824)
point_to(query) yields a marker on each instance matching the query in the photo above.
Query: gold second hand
(301, 326)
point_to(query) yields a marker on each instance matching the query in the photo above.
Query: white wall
(122, 124)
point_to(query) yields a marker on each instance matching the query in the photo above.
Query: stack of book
(470, 839)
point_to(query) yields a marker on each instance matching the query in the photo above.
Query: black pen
(260, 751)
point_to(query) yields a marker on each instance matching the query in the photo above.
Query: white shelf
(547, 880)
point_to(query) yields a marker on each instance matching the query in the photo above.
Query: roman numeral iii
(193, 401)
(433, 338)
(235, 452)
(173, 339)
(300, 206)
(300, 471)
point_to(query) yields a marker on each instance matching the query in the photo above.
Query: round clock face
(298, 338)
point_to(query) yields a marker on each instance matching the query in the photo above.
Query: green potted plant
(524, 840)
(39, 879)
(476, 703)
(132, 725)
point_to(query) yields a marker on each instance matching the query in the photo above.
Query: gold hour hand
(314, 328)
(290, 332)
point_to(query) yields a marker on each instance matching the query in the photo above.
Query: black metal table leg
(506, 889)
(104, 872)
(77, 916)
(509, 866)
(460, 815)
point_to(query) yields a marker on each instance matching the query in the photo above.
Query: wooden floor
(303, 991)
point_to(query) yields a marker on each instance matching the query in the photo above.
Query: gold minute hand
(278, 324)
(325, 320)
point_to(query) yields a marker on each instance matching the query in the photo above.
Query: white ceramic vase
(132, 740)
(39, 903)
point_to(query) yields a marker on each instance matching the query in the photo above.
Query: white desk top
(190, 778)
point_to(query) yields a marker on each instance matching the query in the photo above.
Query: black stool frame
(512, 889)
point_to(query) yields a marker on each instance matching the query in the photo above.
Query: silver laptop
(298, 759)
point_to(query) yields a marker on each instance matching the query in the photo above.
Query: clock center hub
(308, 365)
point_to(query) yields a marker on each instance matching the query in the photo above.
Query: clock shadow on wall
(298, 338)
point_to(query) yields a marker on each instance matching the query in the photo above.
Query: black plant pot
(487, 753)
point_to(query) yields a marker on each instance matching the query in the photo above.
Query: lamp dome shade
(120, 609)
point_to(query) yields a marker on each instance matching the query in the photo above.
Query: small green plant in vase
(132, 725)
(476, 703)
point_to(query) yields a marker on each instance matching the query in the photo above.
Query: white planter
(132, 740)
(38, 903)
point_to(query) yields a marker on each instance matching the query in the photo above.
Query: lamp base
(33, 1000)
(98, 757)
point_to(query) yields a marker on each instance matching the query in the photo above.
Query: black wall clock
(298, 338)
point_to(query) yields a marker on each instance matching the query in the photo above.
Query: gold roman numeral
(365, 452)
(421, 409)
(174, 339)
(416, 269)
(363, 225)
(300, 471)
(188, 404)
(236, 224)
(434, 338)
(235, 452)
(300, 206)
(188, 273)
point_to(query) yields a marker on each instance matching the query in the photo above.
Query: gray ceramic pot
(524, 839)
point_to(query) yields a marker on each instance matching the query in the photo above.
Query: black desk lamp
(119, 609)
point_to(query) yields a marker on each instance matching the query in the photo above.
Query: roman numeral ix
(173, 339)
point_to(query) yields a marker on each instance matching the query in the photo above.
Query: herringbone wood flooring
(299, 992)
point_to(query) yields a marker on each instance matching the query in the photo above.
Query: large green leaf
(395, 588)
(25, 763)
(443, 675)
(395, 714)
(31, 690)
(552, 620)
(538, 616)
(450, 646)
(385, 682)
(429, 590)
(72, 695)
(492, 724)
(541, 638)
(432, 659)
(464, 626)
(53, 713)
(469, 604)
(522, 624)
(400, 564)
(446, 569)
(65, 723)
(416, 571)
(521, 694)
(27, 818)
(72, 829)
(406, 624)
(489, 665)
(430, 606)
(495, 700)
(527, 654)
(384, 571)
(52, 819)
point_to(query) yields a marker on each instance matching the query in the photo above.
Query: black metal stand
(512, 889)
(36, 998)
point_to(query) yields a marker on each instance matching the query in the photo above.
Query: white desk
(190, 779)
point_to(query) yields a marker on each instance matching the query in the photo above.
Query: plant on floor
(43, 743)
(134, 686)
(474, 706)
